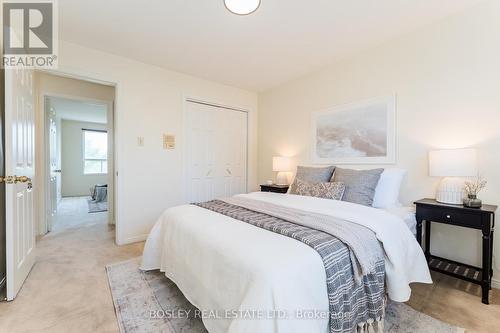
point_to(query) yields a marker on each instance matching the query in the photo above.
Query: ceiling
(283, 40)
(79, 111)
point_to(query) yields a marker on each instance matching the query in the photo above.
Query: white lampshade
(281, 164)
(242, 7)
(453, 163)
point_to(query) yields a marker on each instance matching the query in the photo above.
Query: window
(95, 152)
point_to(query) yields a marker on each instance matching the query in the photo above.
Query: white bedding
(222, 264)
(407, 214)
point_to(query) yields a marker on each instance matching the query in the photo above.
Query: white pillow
(387, 190)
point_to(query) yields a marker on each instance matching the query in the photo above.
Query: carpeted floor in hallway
(67, 290)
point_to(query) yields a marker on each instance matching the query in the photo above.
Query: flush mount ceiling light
(242, 7)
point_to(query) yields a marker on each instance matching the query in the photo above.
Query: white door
(54, 170)
(19, 163)
(232, 141)
(216, 148)
(111, 163)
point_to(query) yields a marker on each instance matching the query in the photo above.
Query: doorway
(78, 162)
(37, 107)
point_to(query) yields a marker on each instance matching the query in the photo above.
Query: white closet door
(233, 158)
(216, 152)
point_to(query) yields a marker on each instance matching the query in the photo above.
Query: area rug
(97, 207)
(144, 301)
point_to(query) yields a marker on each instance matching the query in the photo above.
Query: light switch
(168, 141)
(140, 141)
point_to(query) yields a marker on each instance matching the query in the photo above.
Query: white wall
(74, 181)
(149, 102)
(447, 80)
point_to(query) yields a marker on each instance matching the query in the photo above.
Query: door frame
(3, 230)
(44, 194)
(191, 99)
(112, 81)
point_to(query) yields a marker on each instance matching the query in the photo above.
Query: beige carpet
(67, 290)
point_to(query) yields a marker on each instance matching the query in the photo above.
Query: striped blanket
(354, 307)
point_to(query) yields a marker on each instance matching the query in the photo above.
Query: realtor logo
(29, 34)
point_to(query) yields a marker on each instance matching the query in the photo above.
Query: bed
(222, 264)
(407, 214)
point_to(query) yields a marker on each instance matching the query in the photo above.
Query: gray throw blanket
(364, 247)
(354, 307)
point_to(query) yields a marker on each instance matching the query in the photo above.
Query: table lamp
(454, 165)
(282, 166)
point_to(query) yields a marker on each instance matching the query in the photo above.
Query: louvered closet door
(216, 149)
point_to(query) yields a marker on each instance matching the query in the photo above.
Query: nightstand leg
(427, 239)
(491, 250)
(491, 256)
(419, 232)
(485, 285)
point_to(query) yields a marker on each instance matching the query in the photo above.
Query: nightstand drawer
(450, 216)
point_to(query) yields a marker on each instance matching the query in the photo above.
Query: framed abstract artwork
(356, 133)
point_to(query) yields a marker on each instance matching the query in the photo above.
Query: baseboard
(495, 283)
(131, 240)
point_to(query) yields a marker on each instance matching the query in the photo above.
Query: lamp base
(451, 191)
(282, 178)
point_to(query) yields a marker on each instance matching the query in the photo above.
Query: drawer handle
(448, 216)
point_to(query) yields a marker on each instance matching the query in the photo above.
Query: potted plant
(472, 188)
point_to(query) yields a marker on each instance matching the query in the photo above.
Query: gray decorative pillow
(333, 190)
(360, 185)
(312, 175)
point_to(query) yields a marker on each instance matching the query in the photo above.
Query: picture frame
(356, 133)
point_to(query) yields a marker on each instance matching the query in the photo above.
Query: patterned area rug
(97, 207)
(144, 300)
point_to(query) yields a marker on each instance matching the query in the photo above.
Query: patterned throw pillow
(333, 190)
(313, 175)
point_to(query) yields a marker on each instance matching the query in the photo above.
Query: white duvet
(221, 264)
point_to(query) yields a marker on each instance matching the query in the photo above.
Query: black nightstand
(274, 188)
(429, 210)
